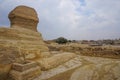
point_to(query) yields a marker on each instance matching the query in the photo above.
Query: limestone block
(25, 75)
(51, 62)
(25, 71)
(24, 66)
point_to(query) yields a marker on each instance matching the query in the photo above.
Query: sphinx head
(25, 17)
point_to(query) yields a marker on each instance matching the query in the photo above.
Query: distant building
(117, 42)
(84, 42)
(95, 44)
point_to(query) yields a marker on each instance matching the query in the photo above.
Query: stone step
(24, 66)
(28, 74)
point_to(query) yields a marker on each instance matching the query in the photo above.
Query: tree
(61, 40)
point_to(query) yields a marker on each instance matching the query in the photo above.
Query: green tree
(61, 40)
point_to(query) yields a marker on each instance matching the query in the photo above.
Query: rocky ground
(95, 68)
(84, 68)
(107, 51)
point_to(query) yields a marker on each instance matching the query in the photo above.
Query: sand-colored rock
(21, 40)
(108, 51)
(61, 72)
(96, 68)
(8, 55)
(84, 68)
(23, 16)
(26, 41)
(25, 75)
(23, 36)
(58, 59)
(23, 71)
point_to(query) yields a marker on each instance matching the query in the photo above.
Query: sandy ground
(84, 68)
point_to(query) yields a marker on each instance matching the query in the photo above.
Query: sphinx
(23, 42)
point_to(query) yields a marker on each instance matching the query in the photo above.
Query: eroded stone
(21, 41)
(25, 17)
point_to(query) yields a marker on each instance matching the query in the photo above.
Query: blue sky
(72, 19)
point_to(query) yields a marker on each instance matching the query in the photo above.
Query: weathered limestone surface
(8, 55)
(25, 75)
(25, 17)
(22, 42)
(21, 39)
(55, 60)
(23, 66)
(23, 71)
(62, 72)
(84, 68)
(21, 34)
(95, 68)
